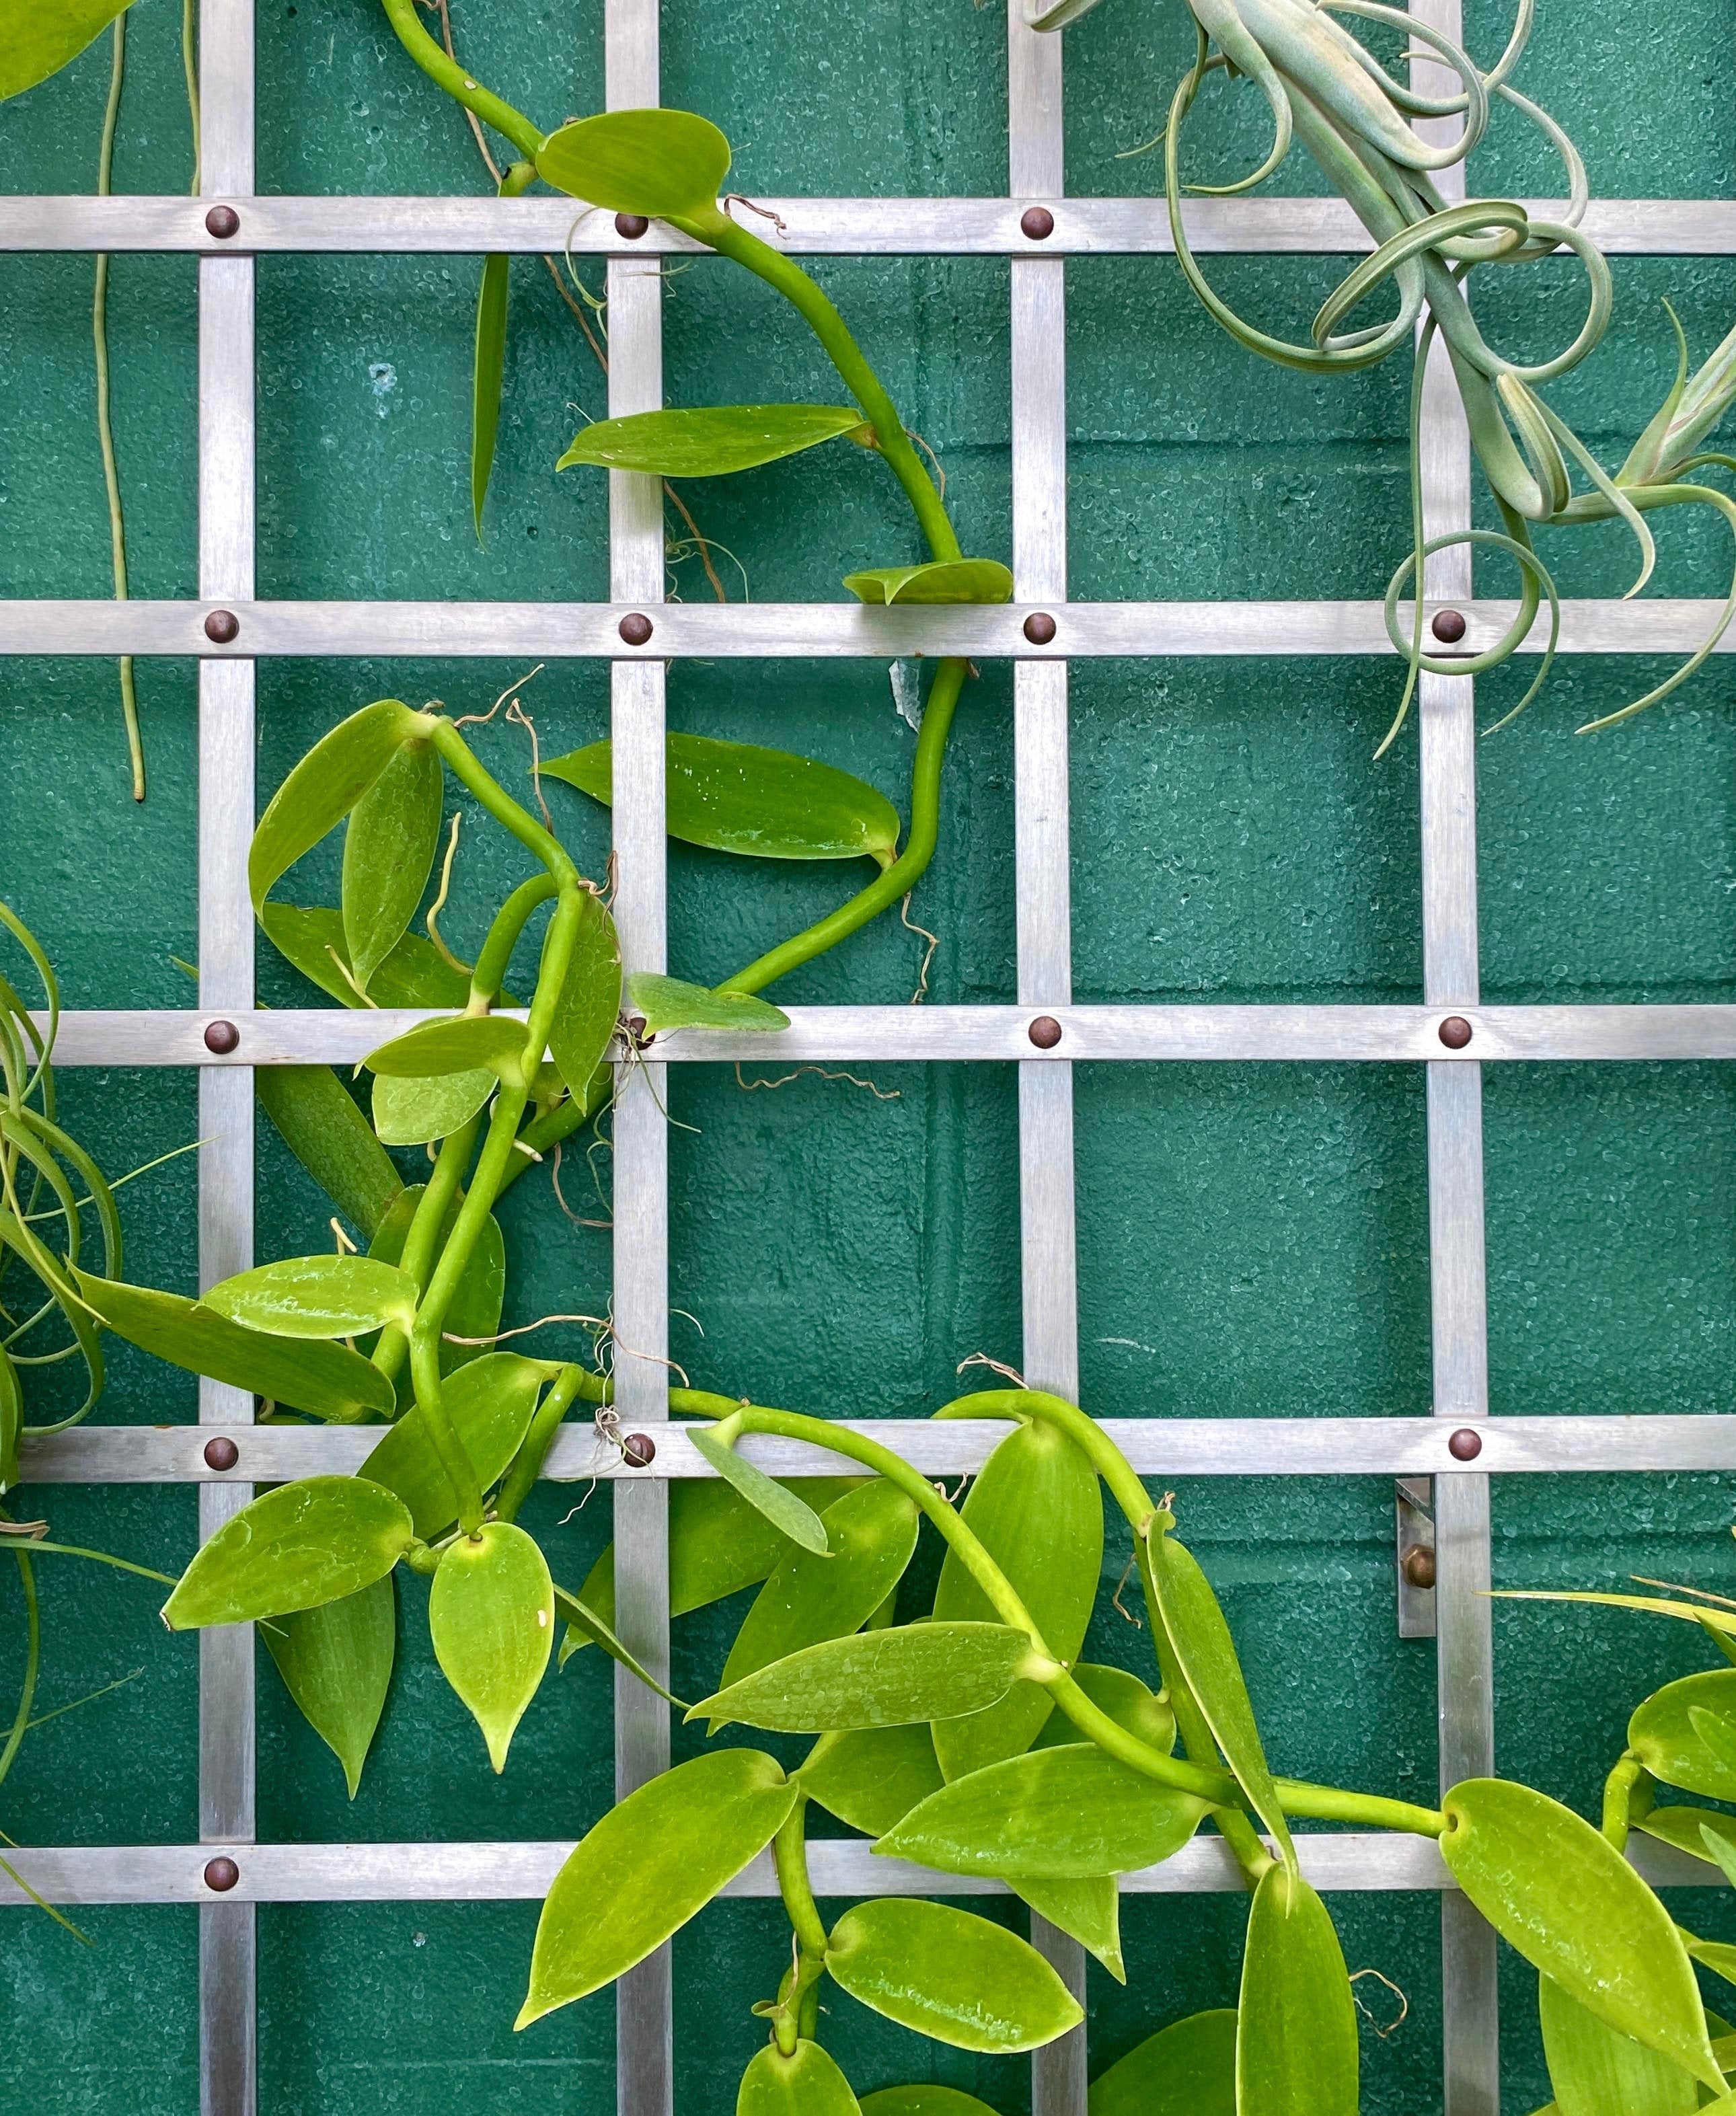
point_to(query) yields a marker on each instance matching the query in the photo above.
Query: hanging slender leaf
(1088, 1911)
(1295, 2052)
(590, 1001)
(886, 1678)
(11, 1419)
(325, 786)
(489, 1403)
(806, 2083)
(1058, 1813)
(711, 441)
(1207, 1655)
(488, 379)
(1037, 1509)
(301, 1545)
(1717, 1847)
(1575, 1909)
(655, 1859)
(791, 1515)
(586, 1622)
(1720, 1958)
(327, 1380)
(667, 1003)
(1128, 1702)
(480, 1042)
(491, 1616)
(414, 974)
(317, 1118)
(871, 1778)
(924, 2101)
(482, 1289)
(37, 40)
(417, 1112)
(936, 581)
(1186, 2069)
(661, 162)
(1595, 2071)
(1677, 1733)
(390, 842)
(336, 1662)
(1681, 1827)
(950, 1975)
(732, 797)
(1721, 1621)
(317, 1296)
(871, 1536)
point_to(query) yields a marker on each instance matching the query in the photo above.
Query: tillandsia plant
(1328, 93)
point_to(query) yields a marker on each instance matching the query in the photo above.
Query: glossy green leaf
(1037, 1509)
(1186, 2069)
(481, 1292)
(489, 1403)
(417, 1112)
(590, 1001)
(924, 2101)
(806, 2083)
(791, 1515)
(1054, 1814)
(1719, 1956)
(950, 1975)
(711, 441)
(886, 1678)
(1058, 16)
(325, 786)
(871, 1779)
(1681, 1827)
(488, 378)
(11, 1419)
(666, 163)
(1675, 1733)
(414, 974)
(1295, 2052)
(328, 1380)
(936, 581)
(317, 1296)
(489, 1042)
(871, 1536)
(1088, 1910)
(317, 1119)
(667, 1003)
(1128, 1702)
(1574, 1908)
(733, 797)
(581, 1620)
(390, 842)
(1725, 1644)
(1207, 1656)
(297, 1547)
(1595, 2071)
(491, 1618)
(336, 1662)
(655, 1859)
(1715, 1846)
(38, 37)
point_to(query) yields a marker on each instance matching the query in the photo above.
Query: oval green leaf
(329, 1380)
(1128, 1702)
(491, 1616)
(950, 1975)
(654, 1860)
(1574, 1908)
(668, 1003)
(1295, 2052)
(317, 1119)
(1055, 1813)
(489, 1403)
(791, 1515)
(871, 1537)
(416, 1111)
(806, 2083)
(414, 974)
(887, 1678)
(325, 786)
(936, 580)
(37, 40)
(489, 1042)
(388, 847)
(711, 441)
(1186, 2069)
(317, 1296)
(733, 797)
(924, 2101)
(873, 1778)
(302, 1545)
(1088, 1911)
(667, 163)
(1682, 1827)
(336, 1662)
(1670, 1733)
(590, 1002)
(1595, 2071)
(1037, 1509)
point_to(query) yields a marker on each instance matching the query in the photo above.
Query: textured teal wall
(1252, 1238)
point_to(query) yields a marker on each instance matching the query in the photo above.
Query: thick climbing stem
(790, 1851)
(463, 87)
(420, 1242)
(1618, 1792)
(521, 1480)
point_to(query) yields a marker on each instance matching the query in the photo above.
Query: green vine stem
(104, 426)
(190, 67)
(447, 74)
(799, 2000)
(1619, 1789)
(521, 1480)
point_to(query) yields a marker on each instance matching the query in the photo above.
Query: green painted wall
(1252, 1238)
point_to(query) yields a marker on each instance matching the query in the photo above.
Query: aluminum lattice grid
(1251, 1447)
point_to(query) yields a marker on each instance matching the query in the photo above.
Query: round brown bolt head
(634, 629)
(631, 226)
(1039, 628)
(1419, 1566)
(221, 1875)
(1449, 627)
(1044, 1032)
(221, 1036)
(222, 221)
(1038, 223)
(1465, 1444)
(1455, 1032)
(222, 626)
(637, 1449)
(221, 1453)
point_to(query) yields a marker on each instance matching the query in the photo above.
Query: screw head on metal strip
(222, 626)
(222, 1037)
(1465, 1444)
(1448, 626)
(631, 226)
(1037, 222)
(221, 1453)
(635, 628)
(1044, 1032)
(221, 1875)
(1418, 1564)
(638, 1450)
(1454, 1032)
(1039, 628)
(222, 221)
